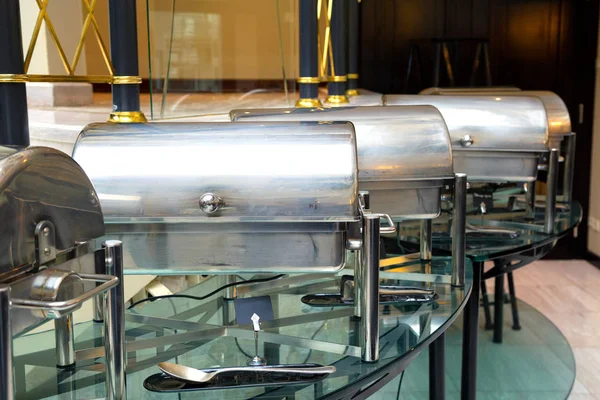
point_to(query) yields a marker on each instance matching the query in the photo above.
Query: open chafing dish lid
(38, 184)
(559, 121)
(489, 123)
(194, 172)
(394, 143)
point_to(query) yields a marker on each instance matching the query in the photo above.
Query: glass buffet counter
(518, 242)
(203, 334)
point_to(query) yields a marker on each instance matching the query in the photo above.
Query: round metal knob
(466, 141)
(211, 203)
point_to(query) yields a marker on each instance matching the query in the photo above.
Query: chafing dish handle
(387, 229)
(68, 305)
(363, 202)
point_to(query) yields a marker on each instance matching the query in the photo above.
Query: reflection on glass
(210, 56)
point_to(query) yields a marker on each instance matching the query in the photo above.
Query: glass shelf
(482, 247)
(202, 334)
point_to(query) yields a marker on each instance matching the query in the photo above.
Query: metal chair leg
(436, 65)
(513, 302)
(475, 65)
(498, 308)
(486, 307)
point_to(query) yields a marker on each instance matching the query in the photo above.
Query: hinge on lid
(45, 243)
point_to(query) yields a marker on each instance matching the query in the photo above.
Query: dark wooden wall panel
(534, 44)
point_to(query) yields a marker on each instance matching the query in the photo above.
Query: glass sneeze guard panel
(207, 57)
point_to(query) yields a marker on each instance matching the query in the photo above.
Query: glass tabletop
(204, 334)
(518, 233)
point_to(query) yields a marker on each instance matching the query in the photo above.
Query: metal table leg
(498, 308)
(470, 331)
(437, 368)
(486, 306)
(513, 302)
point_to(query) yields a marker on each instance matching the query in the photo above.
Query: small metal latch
(45, 242)
(210, 203)
(466, 141)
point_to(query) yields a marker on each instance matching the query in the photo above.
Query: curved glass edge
(483, 247)
(200, 334)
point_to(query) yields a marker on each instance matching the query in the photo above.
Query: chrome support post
(65, 341)
(358, 261)
(114, 324)
(229, 294)
(426, 242)
(98, 301)
(459, 225)
(98, 315)
(569, 170)
(530, 200)
(357, 283)
(551, 189)
(6, 369)
(369, 323)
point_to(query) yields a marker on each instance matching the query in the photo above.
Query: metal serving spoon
(196, 375)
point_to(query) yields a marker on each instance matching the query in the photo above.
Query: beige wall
(213, 39)
(594, 212)
(66, 19)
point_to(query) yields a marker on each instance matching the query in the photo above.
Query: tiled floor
(564, 291)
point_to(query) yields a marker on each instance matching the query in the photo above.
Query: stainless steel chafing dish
(404, 153)
(225, 198)
(495, 139)
(219, 198)
(560, 134)
(50, 216)
(404, 156)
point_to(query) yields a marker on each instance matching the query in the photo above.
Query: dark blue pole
(309, 55)
(14, 126)
(336, 87)
(353, 24)
(124, 55)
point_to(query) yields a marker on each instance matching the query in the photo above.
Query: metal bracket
(45, 243)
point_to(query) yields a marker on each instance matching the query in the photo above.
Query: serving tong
(256, 365)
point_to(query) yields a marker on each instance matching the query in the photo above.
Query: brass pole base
(127, 117)
(352, 92)
(337, 99)
(308, 103)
